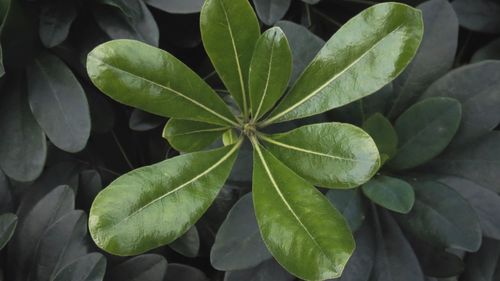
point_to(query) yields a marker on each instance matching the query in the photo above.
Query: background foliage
(62, 141)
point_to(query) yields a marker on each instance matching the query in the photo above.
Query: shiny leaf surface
(302, 230)
(376, 45)
(191, 136)
(153, 80)
(424, 131)
(391, 193)
(229, 30)
(270, 70)
(332, 155)
(91, 267)
(8, 223)
(158, 203)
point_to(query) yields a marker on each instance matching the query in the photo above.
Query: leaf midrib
(267, 81)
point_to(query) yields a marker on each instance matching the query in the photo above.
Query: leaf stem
(329, 19)
(120, 147)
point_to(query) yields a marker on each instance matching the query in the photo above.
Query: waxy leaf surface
(391, 193)
(191, 136)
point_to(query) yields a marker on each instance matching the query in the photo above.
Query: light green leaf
(366, 53)
(391, 193)
(383, 133)
(229, 137)
(331, 155)
(424, 131)
(8, 224)
(191, 136)
(158, 203)
(300, 227)
(229, 30)
(270, 70)
(153, 80)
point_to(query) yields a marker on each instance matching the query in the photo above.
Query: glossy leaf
(58, 103)
(440, 40)
(160, 202)
(271, 11)
(478, 15)
(8, 223)
(229, 30)
(270, 70)
(331, 80)
(332, 155)
(56, 18)
(153, 80)
(383, 133)
(285, 203)
(449, 220)
(350, 204)
(424, 131)
(303, 43)
(491, 51)
(268, 270)
(148, 267)
(479, 95)
(391, 193)
(188, 244)
(177, 6)
(238, 244)
(91, 267)
(190, 136)
(182, 272)
(23, 147)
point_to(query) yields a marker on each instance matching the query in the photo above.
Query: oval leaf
(268, 270)
(58, 103)
(8, 223)
(229, 30)
(188, 244)
(270, 70)
(391, 193)
(478, 15)
(177, 6)
(271, 11)
(383, 133)
(350, 203)
(191, 136)
(182, 272)
(56, 18)
(153, 80)
(424, 131)
(91, 267)
(386, 37)
(158, 203)
(331, 155)
(149, 267)
(285, 203)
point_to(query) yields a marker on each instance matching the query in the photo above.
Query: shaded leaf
(268, 270)
(177, 6)
(188, 244)
(182, 272)
(56, 18)
(383, 133)
(271, 11)
(491, 51)
(148, 267)
(143, 121)
(350, 205)
(8, 223)
(483, 265)
(6, 200)
(4, 11)
(478, 15)
(191, 136)
(391, 193)
(91, 267)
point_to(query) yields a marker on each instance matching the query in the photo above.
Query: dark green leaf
(135, 74)
(484, 265)
(6, 200)
(89, 185)
(91, 267)
(268, 270)
(424, 131)
(143, 121)
(58, 103)
(477, 87)
(270, 70)
(327, 154)
(177, 6)
(331, 80)
(383, 133)
(304, 45)
(442, 218)
(491, 51)
(238, 244)
(229, 30)
(8, 223)
(56, 18)
(271, 11)
(169, 201)
(285, 203)
(130, 8)
(191, 136)
(188, 244)
(350, 204)
(391, 193)
(148, 267)
(4, 11)
(181, 272)
(440, 41)
(478, 15)
(23, 147)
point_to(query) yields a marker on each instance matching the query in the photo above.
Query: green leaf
(56, 18)
(229, 137)
(191, 136)
(6, 200)
(478, 15)
(129, 8)
(479, 95)
(143, 121)
(331, 155)
(490, 51)
(424, 131)
(238, 244)
(350, 204)
(285, 203)
(442, 218)
(4, 11)
(177, 6)
(23, 147)
(383, 133)
(270, 70)
(58, 103)
(169, 200)
(391, 193)
(229, 30)
(386, 37)
(271, 11)
(153, 80)
(188, 244)
(268, 270)
(148, 267)
(483, 265)
(182, 272)
(8, 223)
(91, 267)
